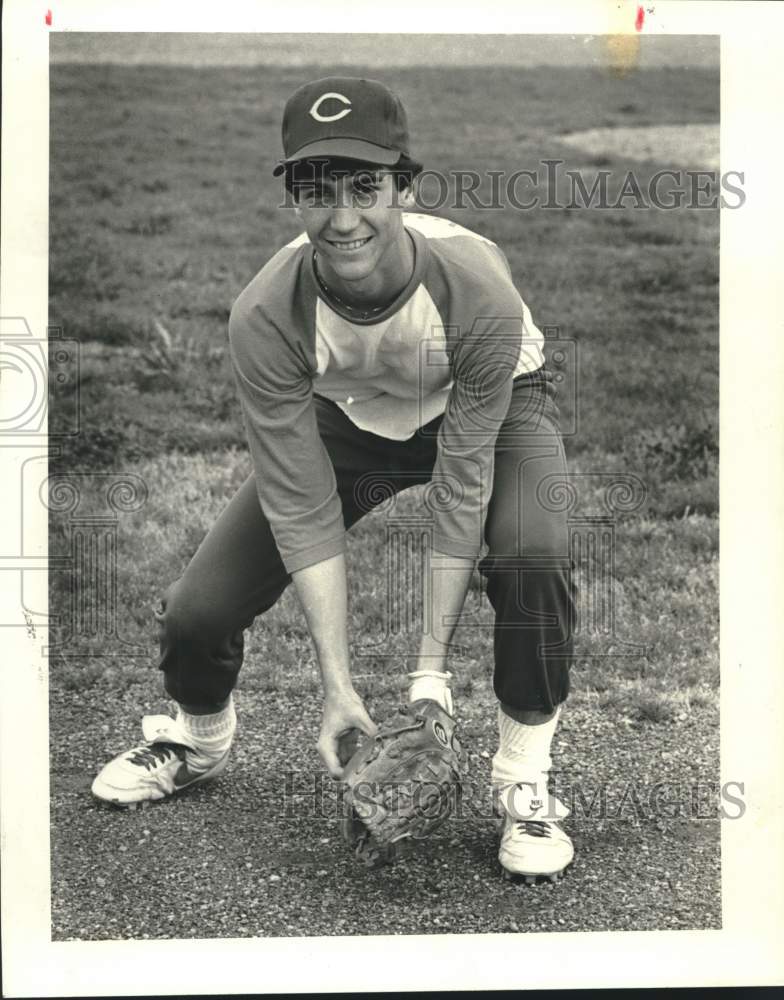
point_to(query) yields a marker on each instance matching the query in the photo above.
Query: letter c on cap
(315, 113)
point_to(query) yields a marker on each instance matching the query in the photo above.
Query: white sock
(432, 684)
(209, 735)
(521, 767)
(523, 751)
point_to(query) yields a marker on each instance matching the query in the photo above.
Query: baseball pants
(237, 574)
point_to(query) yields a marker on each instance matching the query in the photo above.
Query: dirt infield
(258, 852)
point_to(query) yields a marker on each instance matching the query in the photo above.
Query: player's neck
(379, 288)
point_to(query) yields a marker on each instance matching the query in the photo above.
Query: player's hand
(342, 713)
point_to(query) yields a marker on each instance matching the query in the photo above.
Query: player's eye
(313, 197)
(365, 188)
(366, 182)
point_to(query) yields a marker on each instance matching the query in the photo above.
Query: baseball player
(381, 345)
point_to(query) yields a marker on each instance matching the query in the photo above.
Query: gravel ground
(258, 852)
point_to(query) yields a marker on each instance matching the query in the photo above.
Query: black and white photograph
(374, 429)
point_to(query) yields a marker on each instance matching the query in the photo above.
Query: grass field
(163, 207)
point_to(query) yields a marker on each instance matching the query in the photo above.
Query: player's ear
(407, 195)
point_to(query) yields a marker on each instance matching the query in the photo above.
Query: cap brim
(347, 149)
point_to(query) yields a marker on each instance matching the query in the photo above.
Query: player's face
(355, 224)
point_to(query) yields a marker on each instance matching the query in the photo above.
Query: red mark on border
(640, 19)
(48, 18)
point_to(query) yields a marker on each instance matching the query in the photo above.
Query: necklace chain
(362, 313)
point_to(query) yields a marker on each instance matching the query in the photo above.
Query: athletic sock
(523, 756)
(432, 684)
(209, 736)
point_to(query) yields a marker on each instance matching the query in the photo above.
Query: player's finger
(328, 750)
(366, 724)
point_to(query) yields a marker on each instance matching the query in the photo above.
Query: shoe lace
(153, 754)
(533, 828)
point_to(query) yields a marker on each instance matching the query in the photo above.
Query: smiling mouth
(349, 244)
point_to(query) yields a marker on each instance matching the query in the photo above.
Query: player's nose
(344, 219)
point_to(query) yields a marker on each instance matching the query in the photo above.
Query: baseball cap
(347, 117)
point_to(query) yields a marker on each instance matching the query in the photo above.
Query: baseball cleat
(534, 847)
(155, 770)
(553, 877)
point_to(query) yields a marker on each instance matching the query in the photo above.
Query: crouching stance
(389, 348)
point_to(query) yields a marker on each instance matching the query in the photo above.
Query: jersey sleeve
(483, 367)
(294, 475)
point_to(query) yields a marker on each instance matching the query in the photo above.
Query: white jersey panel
(390, 377)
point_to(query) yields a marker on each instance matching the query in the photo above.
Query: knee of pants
(184, 620)
(200, 655)
(547, 540)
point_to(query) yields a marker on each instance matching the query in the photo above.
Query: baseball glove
(402, 783)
